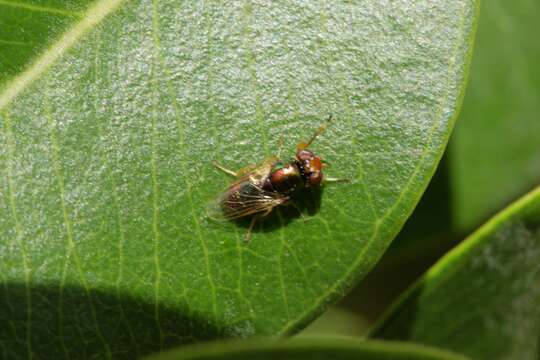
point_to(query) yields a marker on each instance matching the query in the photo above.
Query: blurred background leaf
(495, 149)
(338, 321)
(309, 349)
(482, 298)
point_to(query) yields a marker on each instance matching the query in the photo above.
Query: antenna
(319, 131)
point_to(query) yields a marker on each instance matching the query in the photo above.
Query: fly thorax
(285, 177)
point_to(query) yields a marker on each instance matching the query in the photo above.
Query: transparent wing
(246, 197)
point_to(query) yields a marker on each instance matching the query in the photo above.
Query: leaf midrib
(92, 18)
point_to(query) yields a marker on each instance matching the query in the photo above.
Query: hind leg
(252, 224)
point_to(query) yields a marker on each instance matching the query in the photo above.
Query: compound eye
(316, 163)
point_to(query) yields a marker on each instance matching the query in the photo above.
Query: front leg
(242, 172)
(336, 180)
(225, 170)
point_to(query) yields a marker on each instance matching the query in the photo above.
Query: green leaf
(106, 150)
(26, 28)
(482, 298)
(310, 349)
(494, 152)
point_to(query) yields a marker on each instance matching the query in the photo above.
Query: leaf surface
(482, 298)
(106, 150)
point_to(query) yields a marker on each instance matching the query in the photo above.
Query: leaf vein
(155, 194)
(92, 17)
(55, 158)
(347, 104)
(116, 203)
(11, 147)
(182, 150)
(250, 65)
(282, 246)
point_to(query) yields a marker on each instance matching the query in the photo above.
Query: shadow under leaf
(79, 324)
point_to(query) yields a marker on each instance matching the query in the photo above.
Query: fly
(257, 190)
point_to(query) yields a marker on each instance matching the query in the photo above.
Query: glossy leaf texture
(482, 298)
(27, 27)
(106, 150)
(494, 152)
(309, 349)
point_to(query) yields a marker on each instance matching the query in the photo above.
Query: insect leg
(246, 170)
(293, 204)
(336, 180)
(225, 170)
(253, 221)
(251, 224)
